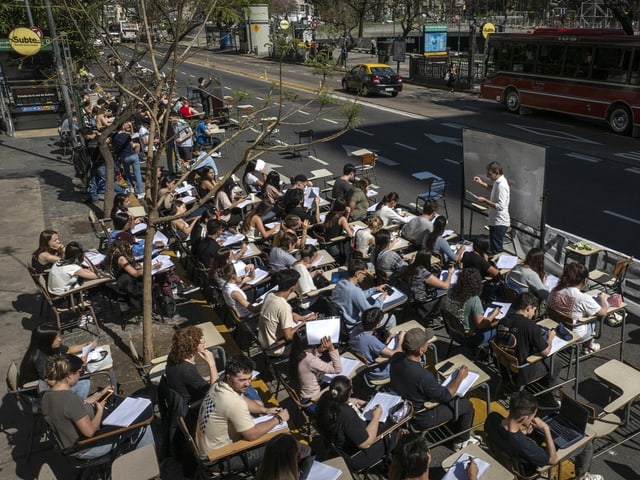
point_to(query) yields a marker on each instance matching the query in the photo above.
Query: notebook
(568, 425)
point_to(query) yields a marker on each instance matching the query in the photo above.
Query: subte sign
(25, 41)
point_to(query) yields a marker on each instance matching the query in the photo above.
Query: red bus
(592, 73)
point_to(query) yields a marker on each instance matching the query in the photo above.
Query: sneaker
(591, 476)
(615, 319)
(591, 347)
(473, 440)
(140, 196)
(548, 402)
(83, 321)
(216, 154)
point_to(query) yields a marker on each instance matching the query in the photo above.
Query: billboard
(435, 39)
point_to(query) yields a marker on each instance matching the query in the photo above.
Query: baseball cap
(415, 338)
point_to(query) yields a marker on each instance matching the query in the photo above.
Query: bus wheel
(512, 101)
(620, 119)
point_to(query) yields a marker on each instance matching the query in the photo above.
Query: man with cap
(414, 383)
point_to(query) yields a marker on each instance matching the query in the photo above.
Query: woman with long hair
(530, 275)
(337, 220)
(271, 189)
(435, 243)
(72, 417)
(182, 373)
(463, 302)
(339, 420)
(422, 281)
(227, 204)
(67, 272)
(386, 210)
(199, 231)
(388, 263)
(182, 227)
(234, 296)
(50, 250)
(207, 181)
(364, 239)
(306, 366)
(292, 224)
(253, 225)
(568, 299)
(253, 180)
(478, 258)
(280, 459)
(46, 341)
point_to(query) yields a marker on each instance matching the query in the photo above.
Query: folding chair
(100, 229)
(509, 368)
(367, 167)
(510, 462)
(305, 144)
(612, 282)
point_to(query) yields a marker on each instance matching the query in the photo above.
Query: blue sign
(435, 39)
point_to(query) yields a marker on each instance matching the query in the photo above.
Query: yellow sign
(255, 27)
(488, 29)
(284, 24)
(25, 41)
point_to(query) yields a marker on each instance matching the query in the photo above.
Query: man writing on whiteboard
(498, 203)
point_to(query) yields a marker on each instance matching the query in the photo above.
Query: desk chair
(624, 380)
(374, 384)
(436, 187)
(612, 282)
(305, 144)
(510, 462)
(100, 229)
(367, 167)
(458, 334)
(440, 433)
(306, 418)
(509, 368)
(28, 402)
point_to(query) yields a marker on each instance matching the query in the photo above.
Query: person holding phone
(70, 416)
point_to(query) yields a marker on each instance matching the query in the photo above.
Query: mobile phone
(389, 290)
(445, 367)
(106, 394)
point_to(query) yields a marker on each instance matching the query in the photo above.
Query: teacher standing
(498, 203)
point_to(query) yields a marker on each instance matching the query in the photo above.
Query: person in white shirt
(386, 210)
(66, 273)
(498, 203)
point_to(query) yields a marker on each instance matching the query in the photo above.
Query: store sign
(25, 41)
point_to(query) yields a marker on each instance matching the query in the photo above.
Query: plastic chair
(436, 191)
(143, 461)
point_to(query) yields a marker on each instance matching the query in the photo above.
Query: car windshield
(382, 71)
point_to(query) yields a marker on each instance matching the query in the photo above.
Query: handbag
(98, 360)
(447, 76)
(615, 300)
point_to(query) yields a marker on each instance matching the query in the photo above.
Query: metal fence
(432, 72)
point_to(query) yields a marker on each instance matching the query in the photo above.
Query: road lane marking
(629, 155)
(387, 161)
(632, 170)
(580, 156)
(455, 162)
(330, 121)
(443, 139)
(453, 125)
(364, 132)
(259, 98)
(322, 162)
(303, 112)
(406, 146)
(628, 219)
(547, 132)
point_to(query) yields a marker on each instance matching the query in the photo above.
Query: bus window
(611, 64)
(550, 59)
(635, 68)
(503, 56)
(524, 57)
(578, 61)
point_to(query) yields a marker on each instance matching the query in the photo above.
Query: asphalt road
(591, 173)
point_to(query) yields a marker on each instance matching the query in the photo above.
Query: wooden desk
(212, 337)
(573, 343)
(105, 431)
(495, 471)
(252, 251)
(340, 464)
(581, 255)
(623, 325)
(241, 445)
(326, 260)
(623, 378)
(398, 244)
(459, 361)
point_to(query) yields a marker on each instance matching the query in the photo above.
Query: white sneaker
(216, 154)
(473, 440)
(83, 321)
(140, 196)
(591, 476)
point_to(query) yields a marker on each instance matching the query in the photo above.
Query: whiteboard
(523, 165)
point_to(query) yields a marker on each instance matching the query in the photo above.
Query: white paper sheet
(386, 400)
(464, 387)
(506, 262)
(504, 309)
(551, 282)
(321, 471)
(166, 262)
(556, 344)
(458, 470)
(265, 418)
(326, 327)
(230, 239)
(445, 273)
(127, 412)
(87, 349)
(348, 366)
(139, 227)
(310, 194)
(259, 276)
(396, 296)
(393, 343)
(94, 257)
(240, 267)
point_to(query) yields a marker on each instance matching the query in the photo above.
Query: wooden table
(495, 471)
(212, 337)
(581, 255)
(326, 259)
(461, 360)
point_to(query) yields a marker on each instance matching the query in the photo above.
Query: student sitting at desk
(253, 180)
(295, 206)
(388, 263)
(568, 299)
(227, 204)
(435, 243)
(253, 224)
(292, 224)
(479, 258)
(529, 276)
(463, 302)
(280, 258)
(364, 239)
(358, 200)
(306, 366)
(121, 204)
(233, 294)
(511, 435)
(182, 227)
(72, 417)
(386, 210)
(364, 341)
(308, 256)
(418, 228)
(67, 273)
(353, 300)
(424, 284)
(271, 191)
(519, 335)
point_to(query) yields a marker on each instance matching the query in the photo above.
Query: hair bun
(334, 392)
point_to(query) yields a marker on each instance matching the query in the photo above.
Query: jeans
(97, 181)
(127, 162)
(496, 237)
